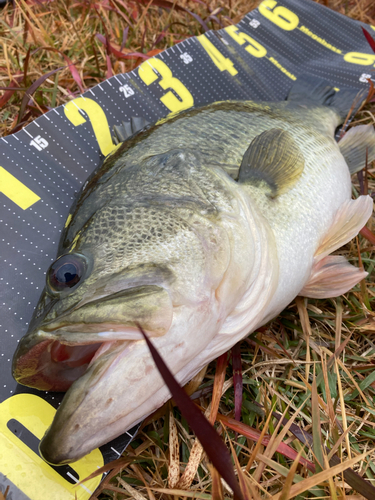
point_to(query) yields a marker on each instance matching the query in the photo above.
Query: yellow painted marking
(281, 16)
(282, 69)
(13, 189)
(68, 220)
(97, 119)
(168, 81)
(25, 468)
(320, 40)
(220, 61)
(254, 48)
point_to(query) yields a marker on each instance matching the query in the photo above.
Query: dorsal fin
(127, 129)
(274, 161)
(310, 90)
(354, 144)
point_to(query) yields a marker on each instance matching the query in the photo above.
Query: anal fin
(272, 161)
(331, 277)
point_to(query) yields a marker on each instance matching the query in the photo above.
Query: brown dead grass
(289, 366)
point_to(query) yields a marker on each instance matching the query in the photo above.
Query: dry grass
(314, 363)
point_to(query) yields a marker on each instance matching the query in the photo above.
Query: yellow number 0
(255, 48)
(281, 16)
(16, 191)
(360, 58)
(97, 118)
(168, 81)
(25, 468)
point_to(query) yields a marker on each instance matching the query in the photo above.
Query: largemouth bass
(200, 229)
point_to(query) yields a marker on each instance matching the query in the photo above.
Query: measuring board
(43, 166)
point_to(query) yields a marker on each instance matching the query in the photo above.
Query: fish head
(158, 262)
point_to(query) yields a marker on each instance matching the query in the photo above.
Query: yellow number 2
(281, 16)
(97, 118)
(16, 191)
(221, 62)
(168, 81)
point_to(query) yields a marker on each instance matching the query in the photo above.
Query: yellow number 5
(254, 48)
(168, 81)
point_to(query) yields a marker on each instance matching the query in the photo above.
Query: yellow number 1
(16, 191)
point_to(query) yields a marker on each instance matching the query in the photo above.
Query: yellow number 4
(221, 62)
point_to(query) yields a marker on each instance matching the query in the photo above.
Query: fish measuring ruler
(43, 166)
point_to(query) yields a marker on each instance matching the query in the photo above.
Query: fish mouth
(53, 366)
(58, 352)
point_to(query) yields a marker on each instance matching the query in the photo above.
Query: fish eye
(66, 272)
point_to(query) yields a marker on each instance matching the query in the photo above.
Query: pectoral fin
(349, 220)
(355, 143)
(273, 161)
(331, 277)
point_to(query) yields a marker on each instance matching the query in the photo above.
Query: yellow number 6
(281, 16)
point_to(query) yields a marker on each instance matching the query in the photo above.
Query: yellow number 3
(168, 81)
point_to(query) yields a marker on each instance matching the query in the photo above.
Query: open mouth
(55, 353)
(53, 366)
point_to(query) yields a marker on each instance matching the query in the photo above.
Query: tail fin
(313, 91)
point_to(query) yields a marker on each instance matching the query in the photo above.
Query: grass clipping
(307, 418)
